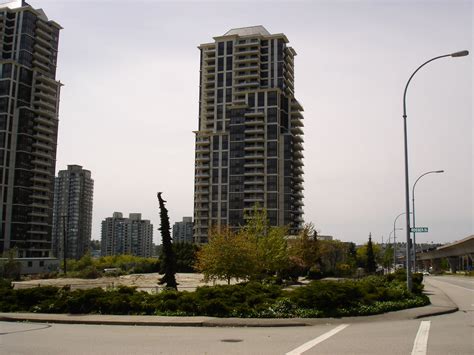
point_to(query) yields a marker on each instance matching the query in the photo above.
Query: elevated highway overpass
(460, 255)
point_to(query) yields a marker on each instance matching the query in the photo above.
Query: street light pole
(413, 209)
(389, 238)
(407, 184)
(394, 240)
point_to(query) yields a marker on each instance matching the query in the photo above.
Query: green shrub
(369, 295)
(314, 273)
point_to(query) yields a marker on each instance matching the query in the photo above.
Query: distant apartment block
(132, 235)
(249, 142)
(183, 231)
(72, 212)
(324, 237)
(29, 102)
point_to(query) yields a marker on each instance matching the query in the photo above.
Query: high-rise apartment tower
(29, 100)
(183, 231)
(132, 235)
(249, 146)
(72, 213)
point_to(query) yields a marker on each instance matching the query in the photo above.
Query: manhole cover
(231, 340)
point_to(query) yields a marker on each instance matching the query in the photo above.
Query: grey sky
(130, 104)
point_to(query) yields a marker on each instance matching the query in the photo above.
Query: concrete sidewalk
(440, 304)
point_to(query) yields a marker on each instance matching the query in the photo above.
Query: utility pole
(64, 216)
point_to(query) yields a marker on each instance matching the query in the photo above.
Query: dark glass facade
(29, 96)
(249, 142)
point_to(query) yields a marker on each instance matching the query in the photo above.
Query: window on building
(224, 158)
(272, 131)
(220, 48)
(271, 98)
(220, 80)
(229, 47)
(228, 95)
(215, 143)
(251, 100)
(272, 166)
(272, 183)
(228, 79)
(272, 200)
(215, 159)
(223, 192)
(272, 114)
(224, 176)
(272, 149)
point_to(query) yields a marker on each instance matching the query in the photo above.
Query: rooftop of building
(18, 4)
(248, 31)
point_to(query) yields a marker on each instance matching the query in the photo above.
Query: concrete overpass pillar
(453, 263)
(426, 264)
(436, 265)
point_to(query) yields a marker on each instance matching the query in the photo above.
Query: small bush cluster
(89, 268)
(370, 295)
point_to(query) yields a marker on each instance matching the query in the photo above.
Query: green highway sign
(419, 230)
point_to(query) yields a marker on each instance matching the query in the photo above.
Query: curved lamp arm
(455, 54)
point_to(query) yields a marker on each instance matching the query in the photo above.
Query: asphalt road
(446, 334)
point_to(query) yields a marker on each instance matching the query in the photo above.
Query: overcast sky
(130, 104)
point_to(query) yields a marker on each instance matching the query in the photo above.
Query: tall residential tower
(249, 146)
(132, 235)
(29, 100)
(72, 213)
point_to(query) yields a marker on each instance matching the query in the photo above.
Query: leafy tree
(258, 249)
(168, 260)
(371, 264)
(185, 256)
(94, 245)
(362, 255)
(351, 257)
(303, 251)
(227, 255)
(331, 253)
(271, 250)
(10, 268)
(387, 259)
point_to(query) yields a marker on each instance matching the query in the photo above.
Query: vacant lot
(145, 282)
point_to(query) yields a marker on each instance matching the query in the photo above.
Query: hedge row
(370, 295)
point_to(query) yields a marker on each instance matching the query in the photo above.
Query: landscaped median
(370, 295)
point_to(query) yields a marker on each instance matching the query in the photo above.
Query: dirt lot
(145, 282)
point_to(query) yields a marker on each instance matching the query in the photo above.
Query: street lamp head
(439, 171)
(460, 54)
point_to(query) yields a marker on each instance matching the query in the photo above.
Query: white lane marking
(421, 341)
(306, 346)
(450, 284)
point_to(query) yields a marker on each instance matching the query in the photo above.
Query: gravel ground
(145, 282)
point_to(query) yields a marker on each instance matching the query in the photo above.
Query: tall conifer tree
(168, 260)
(371, 264)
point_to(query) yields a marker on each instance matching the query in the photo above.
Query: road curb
(437, 313)
(225, 322)
(440, 310)
(261, 323)
(102, 322)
